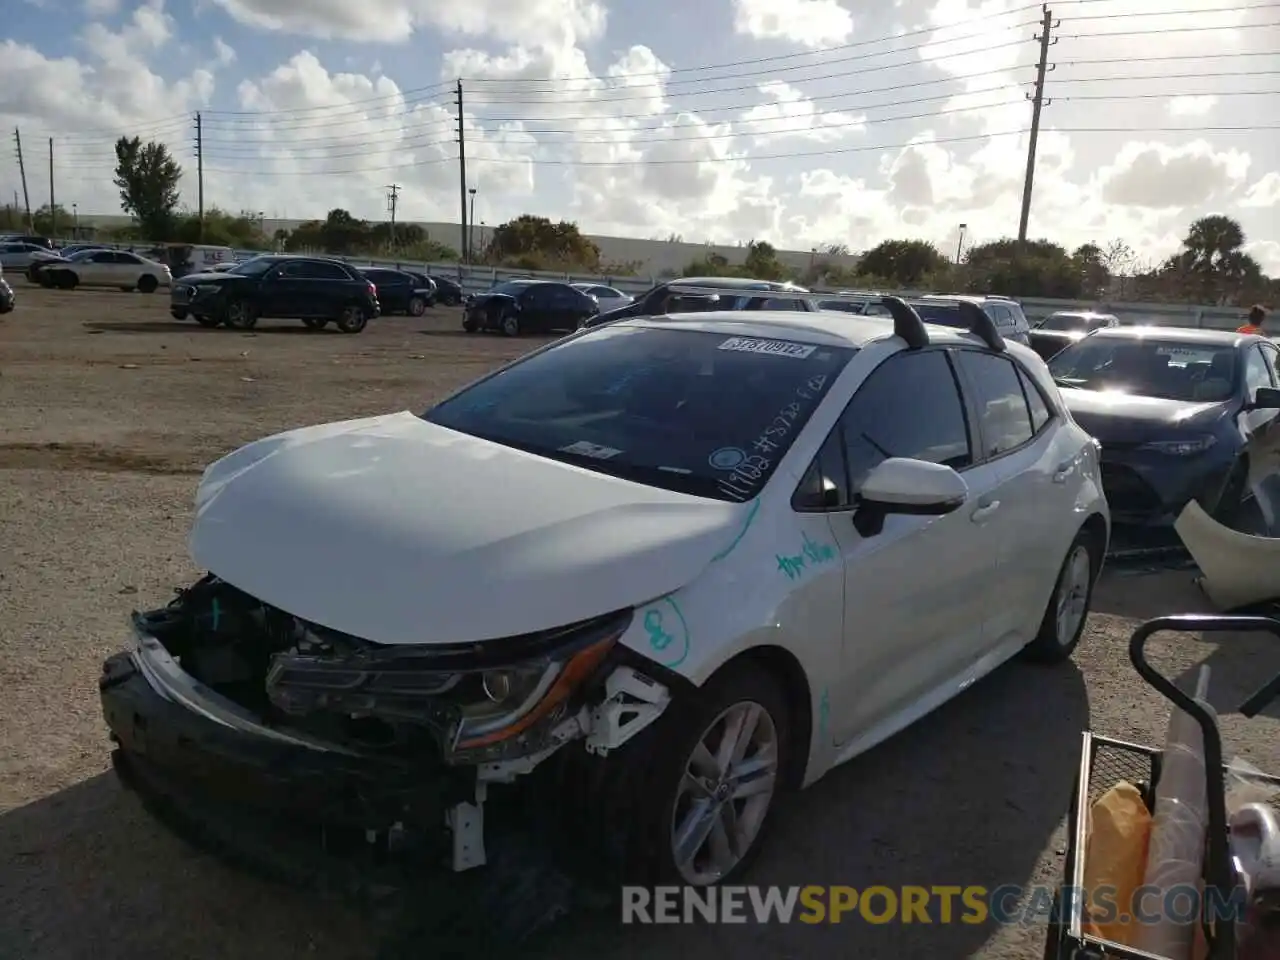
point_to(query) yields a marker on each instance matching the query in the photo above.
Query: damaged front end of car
(235, 699)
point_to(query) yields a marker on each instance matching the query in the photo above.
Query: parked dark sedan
(1172, 409)
(1061, 329)
(400, 291)
(529, 306)
(449, 292)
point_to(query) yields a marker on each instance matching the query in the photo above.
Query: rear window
(701, 413)
(944, 314)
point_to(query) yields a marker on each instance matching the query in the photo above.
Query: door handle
(1064, 470)
(984, 511)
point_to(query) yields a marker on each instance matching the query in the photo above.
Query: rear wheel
(417, 306)
(66, 280)
(352, 319)
(147, 283)
(1064, 618)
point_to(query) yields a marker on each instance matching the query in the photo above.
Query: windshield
(251, 268)
(685, 410)
(510, 287)
(943, 314)
(1067, 321)
(1167, 369)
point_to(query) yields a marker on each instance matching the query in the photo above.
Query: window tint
(997, 393)
(1257, 372)
(908, 407)
(783, 303)
(381, 277)
(127, 258)
(1035, 401)
(316, 270)
(103, 256)
(698, 412)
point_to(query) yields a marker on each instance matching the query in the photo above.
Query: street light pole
(960, 242)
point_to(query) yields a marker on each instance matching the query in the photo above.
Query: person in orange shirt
(1257, 316)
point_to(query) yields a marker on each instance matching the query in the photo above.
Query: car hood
(399, 531)
(1124, 418)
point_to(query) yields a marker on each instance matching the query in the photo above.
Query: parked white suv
(688, 562)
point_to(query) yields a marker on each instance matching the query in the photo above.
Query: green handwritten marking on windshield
(812, 554)
(746, 525)
(668, 634)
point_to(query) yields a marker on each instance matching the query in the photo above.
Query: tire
(240, 315)
(1068, 609)
(178, 314)
(468, 325)
(210, 322)
(627, 806)
(352, 319)
(66, 281)
(147, 284)
(417, 306)
(510, 325)
(315, 323)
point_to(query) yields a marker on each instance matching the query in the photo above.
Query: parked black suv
(740, 293)
(315, 290)
(402, 291)
(449, 292)
(528, 306)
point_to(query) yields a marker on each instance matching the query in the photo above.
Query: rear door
(394, 289)
(97, 267)
(1037, 473)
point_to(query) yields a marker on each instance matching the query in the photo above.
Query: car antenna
(906, 323)
(978, 322)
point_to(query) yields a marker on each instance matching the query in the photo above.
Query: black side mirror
(1266, 398)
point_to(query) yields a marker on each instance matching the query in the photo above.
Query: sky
(799, 122)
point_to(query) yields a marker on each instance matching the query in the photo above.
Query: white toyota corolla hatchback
(685, 562)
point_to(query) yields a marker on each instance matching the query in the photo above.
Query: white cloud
(223, 53)
(810, 23)
(787, 113)
(1159, 176)
(101, 8)
(1194, 106)
(1264, 193)
(515, 21)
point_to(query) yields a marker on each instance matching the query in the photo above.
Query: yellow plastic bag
(1116, 857)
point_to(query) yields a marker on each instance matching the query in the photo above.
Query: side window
(824, 485)
(1005, 421)
(379, 278)
(538, 296)
(782, 303)
(1040, 414)
(909, 407)
(1257, 372)
(127, 258)
(103, 256)
(314, 270)
(1000, 314)
(1273, 360)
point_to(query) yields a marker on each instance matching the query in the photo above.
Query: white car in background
(107, 268)
(17, 256)
(607, 297)
(693, 561)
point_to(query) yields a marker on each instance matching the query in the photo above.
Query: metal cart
(1104, 762)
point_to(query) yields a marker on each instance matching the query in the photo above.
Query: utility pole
(53, 206)
(462, 179)
(22, 172)
(393, 197)
(1037, 99)
(200, 172)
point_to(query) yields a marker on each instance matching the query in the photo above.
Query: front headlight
(1185, 447)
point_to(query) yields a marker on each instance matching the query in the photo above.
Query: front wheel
(352, 319)
(147, 284)
(178, 314)
(1068, 610)
(240, 315)
(510, 325)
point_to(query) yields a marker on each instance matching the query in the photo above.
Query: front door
(916, 594)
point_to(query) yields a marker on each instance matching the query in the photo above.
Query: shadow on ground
(971, 795)
(181, 326)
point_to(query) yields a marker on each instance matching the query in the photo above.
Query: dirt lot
(109, 410)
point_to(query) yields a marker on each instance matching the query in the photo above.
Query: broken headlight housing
(487, 701)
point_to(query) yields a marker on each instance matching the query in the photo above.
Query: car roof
(1219, 338)
(835, 328)
(736, 283)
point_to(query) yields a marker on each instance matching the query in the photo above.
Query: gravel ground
(109, 412)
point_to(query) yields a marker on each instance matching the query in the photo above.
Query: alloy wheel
(1073, 593)
(725, 793)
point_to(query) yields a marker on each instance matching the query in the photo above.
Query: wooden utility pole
(462, 179)
(200, 173)
(22, 172)
(1037, 102)
(393, 198)
(53, 203)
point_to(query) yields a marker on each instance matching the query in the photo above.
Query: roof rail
(699, 290)
(906, 322)
(978, 322)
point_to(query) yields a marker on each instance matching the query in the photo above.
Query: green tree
(1095, 278)
(147, 177)
(904, 263)
(762, 262)
(1212, 265)
(535, 243)
(712, 265)
(242, 230)
(53, 221)
(1037, 268)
